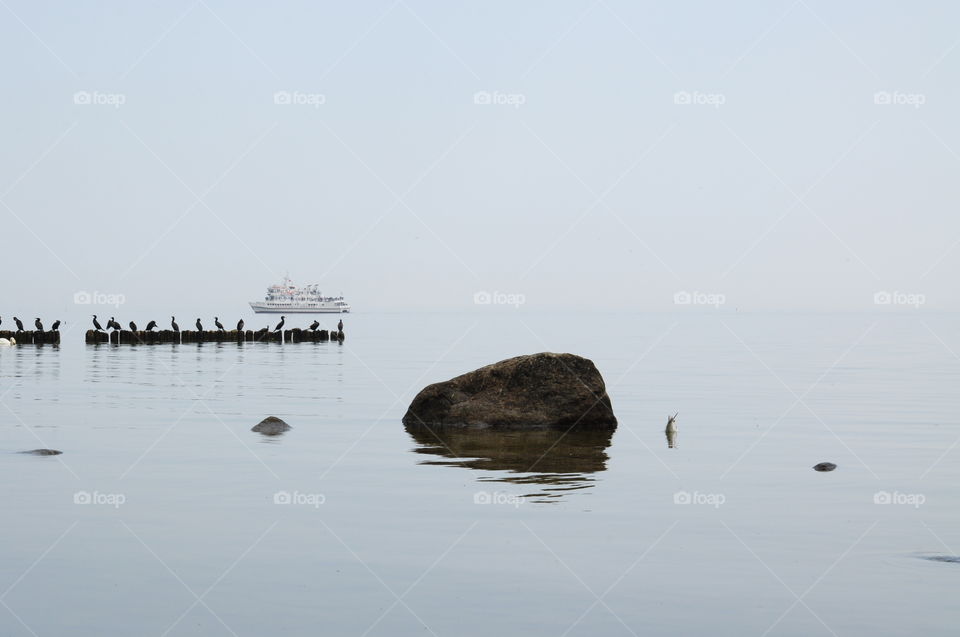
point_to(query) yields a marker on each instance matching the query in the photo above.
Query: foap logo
(709, 499)
(296, 497)
(895, 497)
(497, 497)
(297, 98)
(499, 298)
(696, 297)
(899, 298)
(116, 500)
(496, 98)
(98, 298)
(898, 98)
(696, 98)
(97, 98)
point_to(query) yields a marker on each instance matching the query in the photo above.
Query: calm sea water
(166, 515)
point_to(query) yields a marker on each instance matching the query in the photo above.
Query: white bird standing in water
(672, 423)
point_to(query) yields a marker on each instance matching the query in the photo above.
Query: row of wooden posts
(32, 336)
(296, 335)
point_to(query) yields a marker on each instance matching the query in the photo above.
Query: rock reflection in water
(559, 462)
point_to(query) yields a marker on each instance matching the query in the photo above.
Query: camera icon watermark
(298, 98)
(684, 297)
(82, 297)
(97, 98)
(298, 498)
(709, 499)
(697, 98)
(116, 500)
(895, 497)
(499, 298)
(497, 98)
(896, 297)
(898, 98)
(497, 497)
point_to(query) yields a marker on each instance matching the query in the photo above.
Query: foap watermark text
(299, 98)
(696, 297)
(498, 98)
(896, 297)
(499, 298)
(695, 497)
(116, 500)
(98, 98)
(895, 497)
(497, 497)
(98, 298)
(296, 497)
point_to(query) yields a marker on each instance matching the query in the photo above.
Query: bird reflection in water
(672, 440)
(557, 462)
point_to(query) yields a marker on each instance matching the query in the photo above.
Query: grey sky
(786, 182)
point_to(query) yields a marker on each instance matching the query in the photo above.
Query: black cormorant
(38, 324)
(19, 324)
(280, 324)
(96, 324)
(216, 321)
(314, 326)
(56, 326)
(340, 325)
(240, 325)
(151, 325)
(133, 326)
(173, 324)
(112, 324)
(199, 326)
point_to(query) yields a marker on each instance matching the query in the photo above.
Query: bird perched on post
(240, 325)
(340, 325)
(96, 324)
(314, 326)
(56, 326)
(38, 324)
(280, 324)
(112, 324)
(19, 324)
(133, 326)
(199, 326)
(151, 325)
(216, 321)
(672, 423)
(173, 324)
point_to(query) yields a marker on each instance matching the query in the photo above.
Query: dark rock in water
(43, 452)
(271, 426)
(948, 559)
(824, 466)
(537, 391)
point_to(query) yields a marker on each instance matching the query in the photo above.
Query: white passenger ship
(287, 298)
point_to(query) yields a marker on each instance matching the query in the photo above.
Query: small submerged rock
(271, 426)
(43, 452)
(824, 466)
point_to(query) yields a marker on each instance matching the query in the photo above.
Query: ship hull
(280, 308)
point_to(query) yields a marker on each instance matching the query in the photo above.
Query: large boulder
(538, 391)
